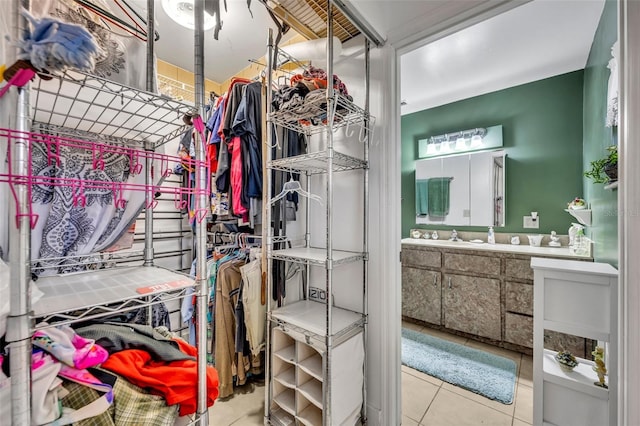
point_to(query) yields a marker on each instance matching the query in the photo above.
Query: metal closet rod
(359, 22)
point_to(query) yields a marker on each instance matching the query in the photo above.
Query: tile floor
(426, 401)
(246, 408)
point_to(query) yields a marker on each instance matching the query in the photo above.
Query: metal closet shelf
(81, 105)
(87, 295)
(310, 117)
(315, 256)
(316, 163)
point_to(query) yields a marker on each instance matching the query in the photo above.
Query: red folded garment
(177, 381)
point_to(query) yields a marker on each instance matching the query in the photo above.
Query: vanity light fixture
(462, 141)
(456, 141)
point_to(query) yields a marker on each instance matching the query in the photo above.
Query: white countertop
(526, 249)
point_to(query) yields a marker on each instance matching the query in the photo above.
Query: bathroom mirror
(461, 190)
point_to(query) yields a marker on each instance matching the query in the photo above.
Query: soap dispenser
(572, 233)
(580, 243)
(491, 238)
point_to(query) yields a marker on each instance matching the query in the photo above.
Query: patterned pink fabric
(68, 347)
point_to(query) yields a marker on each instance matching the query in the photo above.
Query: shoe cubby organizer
(298, 371)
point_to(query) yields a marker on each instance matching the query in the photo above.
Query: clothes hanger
(134, 29)
(294, 186)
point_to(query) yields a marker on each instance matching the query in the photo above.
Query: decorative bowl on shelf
(566, 360)
(577, 204)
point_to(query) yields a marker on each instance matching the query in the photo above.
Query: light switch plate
(528, 222)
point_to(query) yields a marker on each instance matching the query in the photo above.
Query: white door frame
(629, 213)
(628, 204)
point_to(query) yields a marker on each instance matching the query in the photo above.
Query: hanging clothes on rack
(248, 125)
(255, 310)
(238, 314)
(229, 361)
(229, 174)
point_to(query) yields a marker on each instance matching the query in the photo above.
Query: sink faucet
(454, 235)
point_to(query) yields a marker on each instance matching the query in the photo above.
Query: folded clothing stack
(303, 100)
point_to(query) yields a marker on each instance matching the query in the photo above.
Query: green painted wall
(604, 229)
(542, 131)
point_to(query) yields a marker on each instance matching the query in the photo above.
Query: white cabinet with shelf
(577, 298)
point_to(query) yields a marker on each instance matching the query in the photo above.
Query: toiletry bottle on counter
(581, 243)
(572, 233)
(491, 238)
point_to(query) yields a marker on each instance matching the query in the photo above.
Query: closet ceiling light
(181, 11)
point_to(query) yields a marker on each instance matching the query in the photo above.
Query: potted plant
(605, 170)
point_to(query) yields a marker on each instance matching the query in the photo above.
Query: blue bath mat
(483, 373)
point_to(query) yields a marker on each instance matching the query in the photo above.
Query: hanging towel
(422, 191)
(438, 196)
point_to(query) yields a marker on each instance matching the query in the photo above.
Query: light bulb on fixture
(444, 146)
(476, 141)
(181, 11)
(431, 148)
(461, 144)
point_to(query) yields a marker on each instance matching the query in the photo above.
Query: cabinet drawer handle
(449, 283)
(435, 280)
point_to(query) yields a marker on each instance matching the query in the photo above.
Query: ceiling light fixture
(181, 11)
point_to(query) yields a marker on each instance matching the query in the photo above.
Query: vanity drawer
(519, 297)
(518, 329)
(424, 258)
(519, 269)
(472, 263)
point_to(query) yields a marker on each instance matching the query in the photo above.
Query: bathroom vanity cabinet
(481, 291)
(472, 305)
(421, 294)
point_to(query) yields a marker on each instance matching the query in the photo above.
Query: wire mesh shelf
(99, 260)
(310, 117)
(87, 295)
(315, 256)
(80, 102)
(316, 163)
